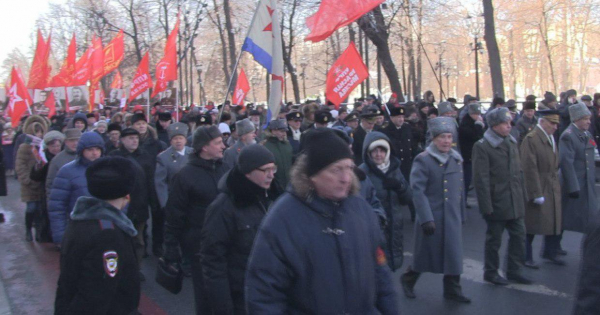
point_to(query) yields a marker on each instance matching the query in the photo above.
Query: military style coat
(168, 163)
(438, 194)
(577, 168)
(498, 178)
(540, 170)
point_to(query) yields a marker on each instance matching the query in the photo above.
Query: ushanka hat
(445, 107)
(578, 111)
(498, 116)
(437, 126)
(244, 126)
(110, 178)
(177, 129)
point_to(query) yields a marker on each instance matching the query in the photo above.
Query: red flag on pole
(117, 82)
(241, 89)
(335, 14)
(142, 80)
(50, 103)
(113, 53)
(97, 61)
(38, 75)
(67, 71)
(19, 98)
(345, 74)
(82, 68)
(166, 69)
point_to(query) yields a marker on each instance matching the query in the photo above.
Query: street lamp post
(303, 64)
(477, 47)
(199, 68)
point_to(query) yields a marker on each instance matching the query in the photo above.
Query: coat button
(445, 190)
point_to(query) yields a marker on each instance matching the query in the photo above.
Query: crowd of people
(305, 213)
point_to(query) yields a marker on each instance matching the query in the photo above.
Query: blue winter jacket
(319, 257)
(70, 184)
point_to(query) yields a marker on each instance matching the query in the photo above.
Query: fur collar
(494, 139)
(443, 157)
(90, 208)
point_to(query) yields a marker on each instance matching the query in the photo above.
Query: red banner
(67, 70)
(39, 74)
(335, 14)
(241, 89)
(19, 98)
(97, 61)
(50, 103)
(117, 82)
(345, 74)
(166, 69)
(113, 53)
(82, 68)
(142, 80)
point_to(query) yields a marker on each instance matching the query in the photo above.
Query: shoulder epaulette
(106, 225)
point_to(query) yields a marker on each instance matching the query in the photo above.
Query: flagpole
(237, 63)
(177, 106)
(381, 97)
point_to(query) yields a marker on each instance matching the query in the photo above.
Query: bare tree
(492, 48)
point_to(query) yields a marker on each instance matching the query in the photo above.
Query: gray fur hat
(244, 126)
(498, 116)
(474, 108)
(445, 107)
(203, 135)
(177, 129)
(439, 125)
(278, 124)
(578, 111)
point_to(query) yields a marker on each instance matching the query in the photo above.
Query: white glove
(539, 201)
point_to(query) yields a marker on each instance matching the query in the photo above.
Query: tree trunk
(230, 39)
(492, 48)
(378, 34)
(419, 66)
(217, 22)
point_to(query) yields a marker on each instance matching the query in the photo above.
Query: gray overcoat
(231, 154)
(168, 163)
(438, 195)
(576, 151)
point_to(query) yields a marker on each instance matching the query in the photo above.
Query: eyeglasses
(268, 170)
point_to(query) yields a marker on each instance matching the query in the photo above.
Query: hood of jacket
(89, 140)
(31, 121)
(90, 208)
(370, 138)
(78, 116)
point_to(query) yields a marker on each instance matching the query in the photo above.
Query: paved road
(28, 272)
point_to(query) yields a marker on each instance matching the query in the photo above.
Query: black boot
(408, 280)
(28, 226)
(453, 290)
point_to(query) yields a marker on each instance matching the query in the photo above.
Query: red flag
(67, 70)
(345, 74)
(82, 68)
(40, 70)
(117, 82)
(113, 53)
(142, 80)
(166, 69)
(241, 89)
(50, 103)
(19, 98)
(97, 61)
(334, 14)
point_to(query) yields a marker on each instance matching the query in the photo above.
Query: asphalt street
(29, 271)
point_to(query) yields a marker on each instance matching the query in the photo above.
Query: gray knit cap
(445, 107)
(439, 125)
(53, 135)
(578, 111)
(474, 108)
(244, 126)
(498, 116)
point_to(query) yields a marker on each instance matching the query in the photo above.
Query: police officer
(294, 121)
(98, 265)
(368, 117)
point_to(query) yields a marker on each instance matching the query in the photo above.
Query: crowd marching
(304, 214)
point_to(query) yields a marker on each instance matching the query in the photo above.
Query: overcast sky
(17, 23)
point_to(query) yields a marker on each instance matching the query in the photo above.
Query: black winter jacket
(231, 223)
(137, 210)
(468, 133)
(193, 189)
(99, 271)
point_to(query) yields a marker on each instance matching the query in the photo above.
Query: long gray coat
(576, 149)
(540, 169)
(231, 154)
(438, 191)
(168, 163)
(498, 178)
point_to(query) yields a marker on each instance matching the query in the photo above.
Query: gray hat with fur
(498, 116)
(578, 111)
(439, 125)
(474, 108)
(278, 124)
(445, 107)
(203, 135)
(244, 126)
(177, 129)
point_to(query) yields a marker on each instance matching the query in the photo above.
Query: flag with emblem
(113, 53)
(142, 80)
(117, 82)
(97, 61)
(241, 89)
(264, 43)
(166, 68)
(39, 74)
(19, 100)
(345, 74)
(67, 70)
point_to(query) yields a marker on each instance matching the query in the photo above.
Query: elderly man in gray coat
(168, 163)
(498, 182)
(246, 131)
(438, 193)
(576, 150)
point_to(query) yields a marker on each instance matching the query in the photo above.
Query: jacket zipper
(340, 258)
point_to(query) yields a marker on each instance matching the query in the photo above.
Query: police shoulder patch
(111, 263)
(381, 260)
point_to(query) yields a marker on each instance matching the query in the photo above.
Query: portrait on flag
(39, 106)
(141, 99)
(60, 97)
(113, 100)
(168, 99)
(78, 98)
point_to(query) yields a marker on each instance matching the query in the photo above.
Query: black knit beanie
(137, 117)
(110, 178)
(252, 157)
(203, 135)
(322, 148)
